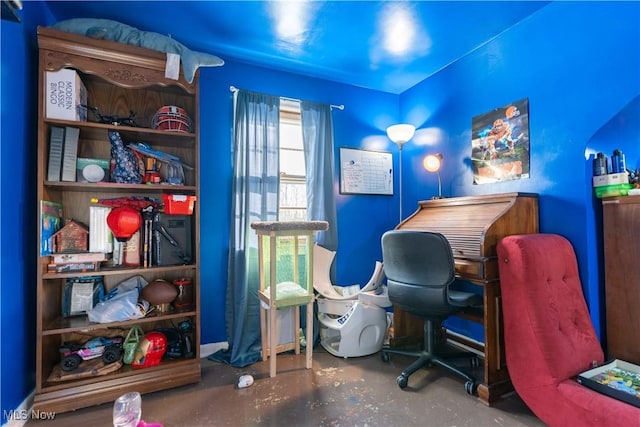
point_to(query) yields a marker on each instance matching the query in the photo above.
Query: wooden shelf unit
(119, 78)
(621, 228)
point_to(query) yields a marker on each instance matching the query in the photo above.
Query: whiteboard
(365, 172)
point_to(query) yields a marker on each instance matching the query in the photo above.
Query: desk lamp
(400, 134)
(432, 163)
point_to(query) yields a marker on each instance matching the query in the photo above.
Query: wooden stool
(281, 244)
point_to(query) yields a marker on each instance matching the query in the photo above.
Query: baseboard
(207, 350)
(19, 417)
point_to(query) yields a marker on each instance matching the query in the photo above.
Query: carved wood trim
(121, 64)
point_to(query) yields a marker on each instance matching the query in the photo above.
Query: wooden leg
(309, 334)
(263, 332)
(273, 337)
(296, 328)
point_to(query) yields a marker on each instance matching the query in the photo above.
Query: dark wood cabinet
(621, 228)
(119, 78)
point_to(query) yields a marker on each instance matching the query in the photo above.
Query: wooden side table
(283, 248)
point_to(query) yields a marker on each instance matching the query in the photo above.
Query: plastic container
(184, 300)
(613, 190)
(618, 163)
(600, 165)
(178, 204)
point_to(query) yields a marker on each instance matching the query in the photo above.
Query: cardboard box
(611, 179)
(65, 94)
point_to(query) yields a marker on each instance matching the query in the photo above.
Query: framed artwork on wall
(500, 143)
(365, 172)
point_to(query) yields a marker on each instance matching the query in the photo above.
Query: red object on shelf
(124, 222)
(173, 119)
(150, 350)
(178, 204)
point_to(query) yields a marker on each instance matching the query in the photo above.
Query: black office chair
(420, 269)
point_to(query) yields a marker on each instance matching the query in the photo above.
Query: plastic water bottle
(127, 410)
(600, 165)
(618, 164)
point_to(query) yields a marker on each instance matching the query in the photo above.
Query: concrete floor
(335, 392)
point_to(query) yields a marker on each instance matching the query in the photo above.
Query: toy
(122, 33)
(110, 348)
(150, 350)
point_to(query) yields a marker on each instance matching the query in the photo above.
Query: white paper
(81, 297)
(172, 69)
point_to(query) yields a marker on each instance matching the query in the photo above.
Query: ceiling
(383, 45)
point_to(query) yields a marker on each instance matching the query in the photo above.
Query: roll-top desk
(474, 225)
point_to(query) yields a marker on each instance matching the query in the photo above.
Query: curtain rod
(339, 107)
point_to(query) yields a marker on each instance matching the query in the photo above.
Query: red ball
(159, 292)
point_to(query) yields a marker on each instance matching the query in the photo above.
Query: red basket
(178, 204)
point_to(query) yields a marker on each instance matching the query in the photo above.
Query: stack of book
(76, 262)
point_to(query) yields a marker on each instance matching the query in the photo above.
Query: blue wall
(580, 74)
(582, 79)
(18, 207)
(361, 219)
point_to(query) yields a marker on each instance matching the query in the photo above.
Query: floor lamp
(432, 163)
(400, 134)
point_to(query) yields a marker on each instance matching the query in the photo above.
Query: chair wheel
(471, 387)
(402, 381)
(386, 357)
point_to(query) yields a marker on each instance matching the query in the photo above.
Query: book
(50, 223)
(56, 145)
(100, 237)
(618, 379)
(73, 267)
(78, 257)
(70, 153)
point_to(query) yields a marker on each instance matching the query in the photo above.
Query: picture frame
(617, 378)
(366, 172)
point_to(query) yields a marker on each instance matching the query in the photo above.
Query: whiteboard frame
(348, 153)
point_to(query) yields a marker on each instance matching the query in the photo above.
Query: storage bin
(613, 190)
(178, 204)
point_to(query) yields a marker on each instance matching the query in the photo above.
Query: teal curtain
(317, 138)
(255, 198)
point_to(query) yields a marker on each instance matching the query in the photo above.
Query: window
(293, 185)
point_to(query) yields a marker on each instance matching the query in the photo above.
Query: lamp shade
(124, 222)
(432, 162)
(400, 133)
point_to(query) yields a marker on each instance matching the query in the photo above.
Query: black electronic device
(172, 239)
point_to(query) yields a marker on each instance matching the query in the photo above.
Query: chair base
(427, 357)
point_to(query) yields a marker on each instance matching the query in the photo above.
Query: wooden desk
(474, 225)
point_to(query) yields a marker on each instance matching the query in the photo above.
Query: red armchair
(549, 337)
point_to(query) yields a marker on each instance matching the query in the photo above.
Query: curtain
(255, 198)
(317, 139)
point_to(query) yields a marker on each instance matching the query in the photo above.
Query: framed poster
(365, 172)
(500, 144)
